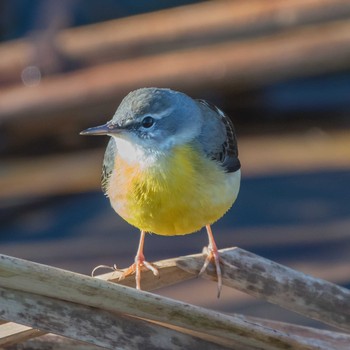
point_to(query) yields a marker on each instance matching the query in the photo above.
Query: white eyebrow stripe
(161, 114)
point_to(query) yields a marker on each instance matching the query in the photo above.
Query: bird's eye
(147, 122)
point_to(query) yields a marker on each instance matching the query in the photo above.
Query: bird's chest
(179, 194)
(136, 189)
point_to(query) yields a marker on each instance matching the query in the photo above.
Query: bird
(171, 167)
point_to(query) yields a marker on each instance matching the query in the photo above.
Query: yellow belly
(180, 195)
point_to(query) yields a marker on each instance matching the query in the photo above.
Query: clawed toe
(114, 268)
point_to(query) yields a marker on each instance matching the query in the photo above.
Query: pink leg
(213, 256)
(139, 263)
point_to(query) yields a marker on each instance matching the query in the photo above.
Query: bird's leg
(213, 256)
(139, 262)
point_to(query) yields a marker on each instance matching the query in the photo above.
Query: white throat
(135, 154)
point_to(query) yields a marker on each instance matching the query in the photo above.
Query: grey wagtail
(171, 167)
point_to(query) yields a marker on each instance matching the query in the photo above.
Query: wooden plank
(11, 333)
(306, 51)
(52, 282)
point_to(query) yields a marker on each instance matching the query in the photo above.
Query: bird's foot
(213, 257)
(136, 267)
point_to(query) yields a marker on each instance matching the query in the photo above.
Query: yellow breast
(183, 192)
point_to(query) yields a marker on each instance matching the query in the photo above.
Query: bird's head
(153, 119)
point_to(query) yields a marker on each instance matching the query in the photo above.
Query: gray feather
(218, 138)
(108, 164)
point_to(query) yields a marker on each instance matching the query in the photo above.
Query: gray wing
(108, 164)
(218, 137)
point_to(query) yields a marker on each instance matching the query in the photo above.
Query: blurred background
(279, 68)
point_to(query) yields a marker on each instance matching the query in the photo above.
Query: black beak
(97, 130)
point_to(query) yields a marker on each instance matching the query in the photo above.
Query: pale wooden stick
(52, 282)
(320, 338)
(115, 331)
(92, 325)
(278, 284)
(262, 278)
(47, 281)
(170, 274)
(11, 333)
(170, 268)
(53, 342)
